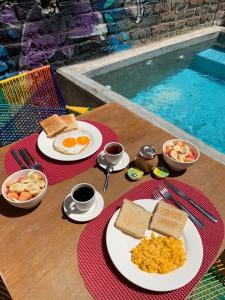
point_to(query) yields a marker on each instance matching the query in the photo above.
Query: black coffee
(114, 149)
(83, 194)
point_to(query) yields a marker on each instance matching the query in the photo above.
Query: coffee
(83, 194)
(114, 149)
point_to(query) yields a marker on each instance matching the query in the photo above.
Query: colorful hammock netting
(26, 99)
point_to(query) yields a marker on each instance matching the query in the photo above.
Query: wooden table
(38, 248)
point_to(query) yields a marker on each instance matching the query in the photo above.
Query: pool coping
(80, 74)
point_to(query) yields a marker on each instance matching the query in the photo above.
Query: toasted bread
(133, 219)
(52, 125)
(70, 121)
(168, 220)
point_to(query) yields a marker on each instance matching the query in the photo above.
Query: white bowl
(29, 203)
(176, 165)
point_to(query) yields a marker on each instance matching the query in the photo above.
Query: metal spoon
(109, 169)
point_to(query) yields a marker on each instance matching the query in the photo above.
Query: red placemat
(57, 171)
(100, 275)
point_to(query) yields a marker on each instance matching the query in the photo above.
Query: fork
(166, 195)
(157, 195)
(36, 165)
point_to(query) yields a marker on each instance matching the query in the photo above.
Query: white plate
(120, 244)
(45, 144)
(83, 216)
(123, 163)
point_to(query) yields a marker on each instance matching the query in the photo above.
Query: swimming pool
(147, 72)
(193, 98)
(187, 91)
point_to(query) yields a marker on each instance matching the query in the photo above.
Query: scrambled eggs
(159, 254)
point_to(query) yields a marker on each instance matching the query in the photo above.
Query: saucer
(83, 216)
(123, 163)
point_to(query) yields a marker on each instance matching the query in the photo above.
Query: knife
(16, 157)
(187, 198)
(25, 158)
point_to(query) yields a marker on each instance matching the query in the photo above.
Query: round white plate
(123, 163)
(120, 244)
(83, 216)
(45, 144)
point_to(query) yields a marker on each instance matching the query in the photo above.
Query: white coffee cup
(83, 196)
(113, 152)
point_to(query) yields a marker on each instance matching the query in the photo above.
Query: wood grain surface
(38, 248)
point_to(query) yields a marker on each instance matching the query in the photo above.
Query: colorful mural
(58, 32)
(42, 32)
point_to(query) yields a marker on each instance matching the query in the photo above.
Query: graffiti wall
(38, 32)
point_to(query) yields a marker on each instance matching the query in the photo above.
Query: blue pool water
(192, 98)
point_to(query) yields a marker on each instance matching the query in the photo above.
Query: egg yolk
(83, 140)
(69, 142)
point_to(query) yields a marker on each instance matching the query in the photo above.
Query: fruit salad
(25, 188)
(180, 152)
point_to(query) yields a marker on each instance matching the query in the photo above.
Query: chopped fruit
(17, 187)
(25, 188)
(169, 148)
(185, 149)
(181, 157)
(41, 183)
(25, 180)
(173, 154)
(30, 173)
(8, 184)
(190, 155)
(177, 148)
(13, 196)
(33, 188)
(188, 159)
(24, 196)
(180, 144)
(34, 176)
(180, 152)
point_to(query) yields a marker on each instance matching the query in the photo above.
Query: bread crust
(52, 125)
(168, 220)
(70, 121)
(133, 219)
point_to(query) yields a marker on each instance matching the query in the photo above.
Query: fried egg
(72, 142)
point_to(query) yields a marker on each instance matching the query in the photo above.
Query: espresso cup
(113, 152)
(83, 196)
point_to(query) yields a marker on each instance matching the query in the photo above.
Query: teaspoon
(109, 169)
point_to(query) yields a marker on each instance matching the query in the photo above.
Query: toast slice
(168, 220)
(70, 121)
(52, 125)
(133, 219)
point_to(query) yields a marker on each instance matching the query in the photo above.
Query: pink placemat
(100, 275)
(57, 171)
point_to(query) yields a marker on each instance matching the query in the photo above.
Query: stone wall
(220, 14)
(38, 32)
